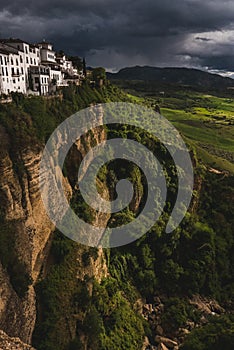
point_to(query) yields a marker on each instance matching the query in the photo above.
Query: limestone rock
(8, 343)
(166, 341)
(22, 207)
(159, 330)
(206, 306)
(162, 347)
(146, 343)
(183, 331)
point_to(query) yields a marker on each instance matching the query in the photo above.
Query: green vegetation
(99, 74)
(32, 120)
(60, 295)
(205, 121)
(19, 277)
(196, 258)
(217, 334)
(177, 312)
(105, 318)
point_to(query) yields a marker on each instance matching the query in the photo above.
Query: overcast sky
(120, 33)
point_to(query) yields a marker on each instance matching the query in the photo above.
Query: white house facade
(13, 75)
(39, 79)
(32, 69)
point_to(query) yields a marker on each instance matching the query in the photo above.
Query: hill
(164, 290)
(178, 76)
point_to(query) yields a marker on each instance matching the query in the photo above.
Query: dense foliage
(217, 334)
(196, 258)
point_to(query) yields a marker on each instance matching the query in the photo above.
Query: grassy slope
(58, 291)
(209, 128)
(206, 121)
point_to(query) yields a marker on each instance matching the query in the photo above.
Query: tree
(84, 67)
(77, 62)
(99, 74)
(93, 326)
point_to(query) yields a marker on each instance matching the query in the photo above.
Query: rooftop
(14, 40)
(3, 51)
(8, 48)
(44, 42)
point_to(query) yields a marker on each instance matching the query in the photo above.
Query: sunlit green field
(205, 121)
(211, 128)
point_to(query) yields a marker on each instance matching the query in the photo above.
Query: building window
(5, 61)
(1, 59)
(51, 56)
(26, 59)
(17, 62)
(21, 59)
(12, 71)
(22, 70)
(12, 61)
(6, 72)
(13, 81)
(2, 71)
(31, 61)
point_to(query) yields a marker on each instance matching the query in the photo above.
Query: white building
(13, 75)
(70, 73)
(65, 65)
(39, 80)
(46, 53)
(35, 69)
(16, 58)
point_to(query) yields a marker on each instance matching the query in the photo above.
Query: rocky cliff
(29, 230)
(8, 343)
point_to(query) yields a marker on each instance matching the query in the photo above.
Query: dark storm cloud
(221, 63)
(202, 39)
(126, 32)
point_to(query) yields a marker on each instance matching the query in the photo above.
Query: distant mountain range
(177, 76)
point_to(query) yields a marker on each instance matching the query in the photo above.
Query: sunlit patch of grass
(135, 99)
(214, 161)
(205, 120)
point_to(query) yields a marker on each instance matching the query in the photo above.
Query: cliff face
(8, 343)
(30, 230)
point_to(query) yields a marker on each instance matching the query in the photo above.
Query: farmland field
(205, 121)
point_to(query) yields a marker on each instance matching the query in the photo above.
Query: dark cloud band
(127, 32)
